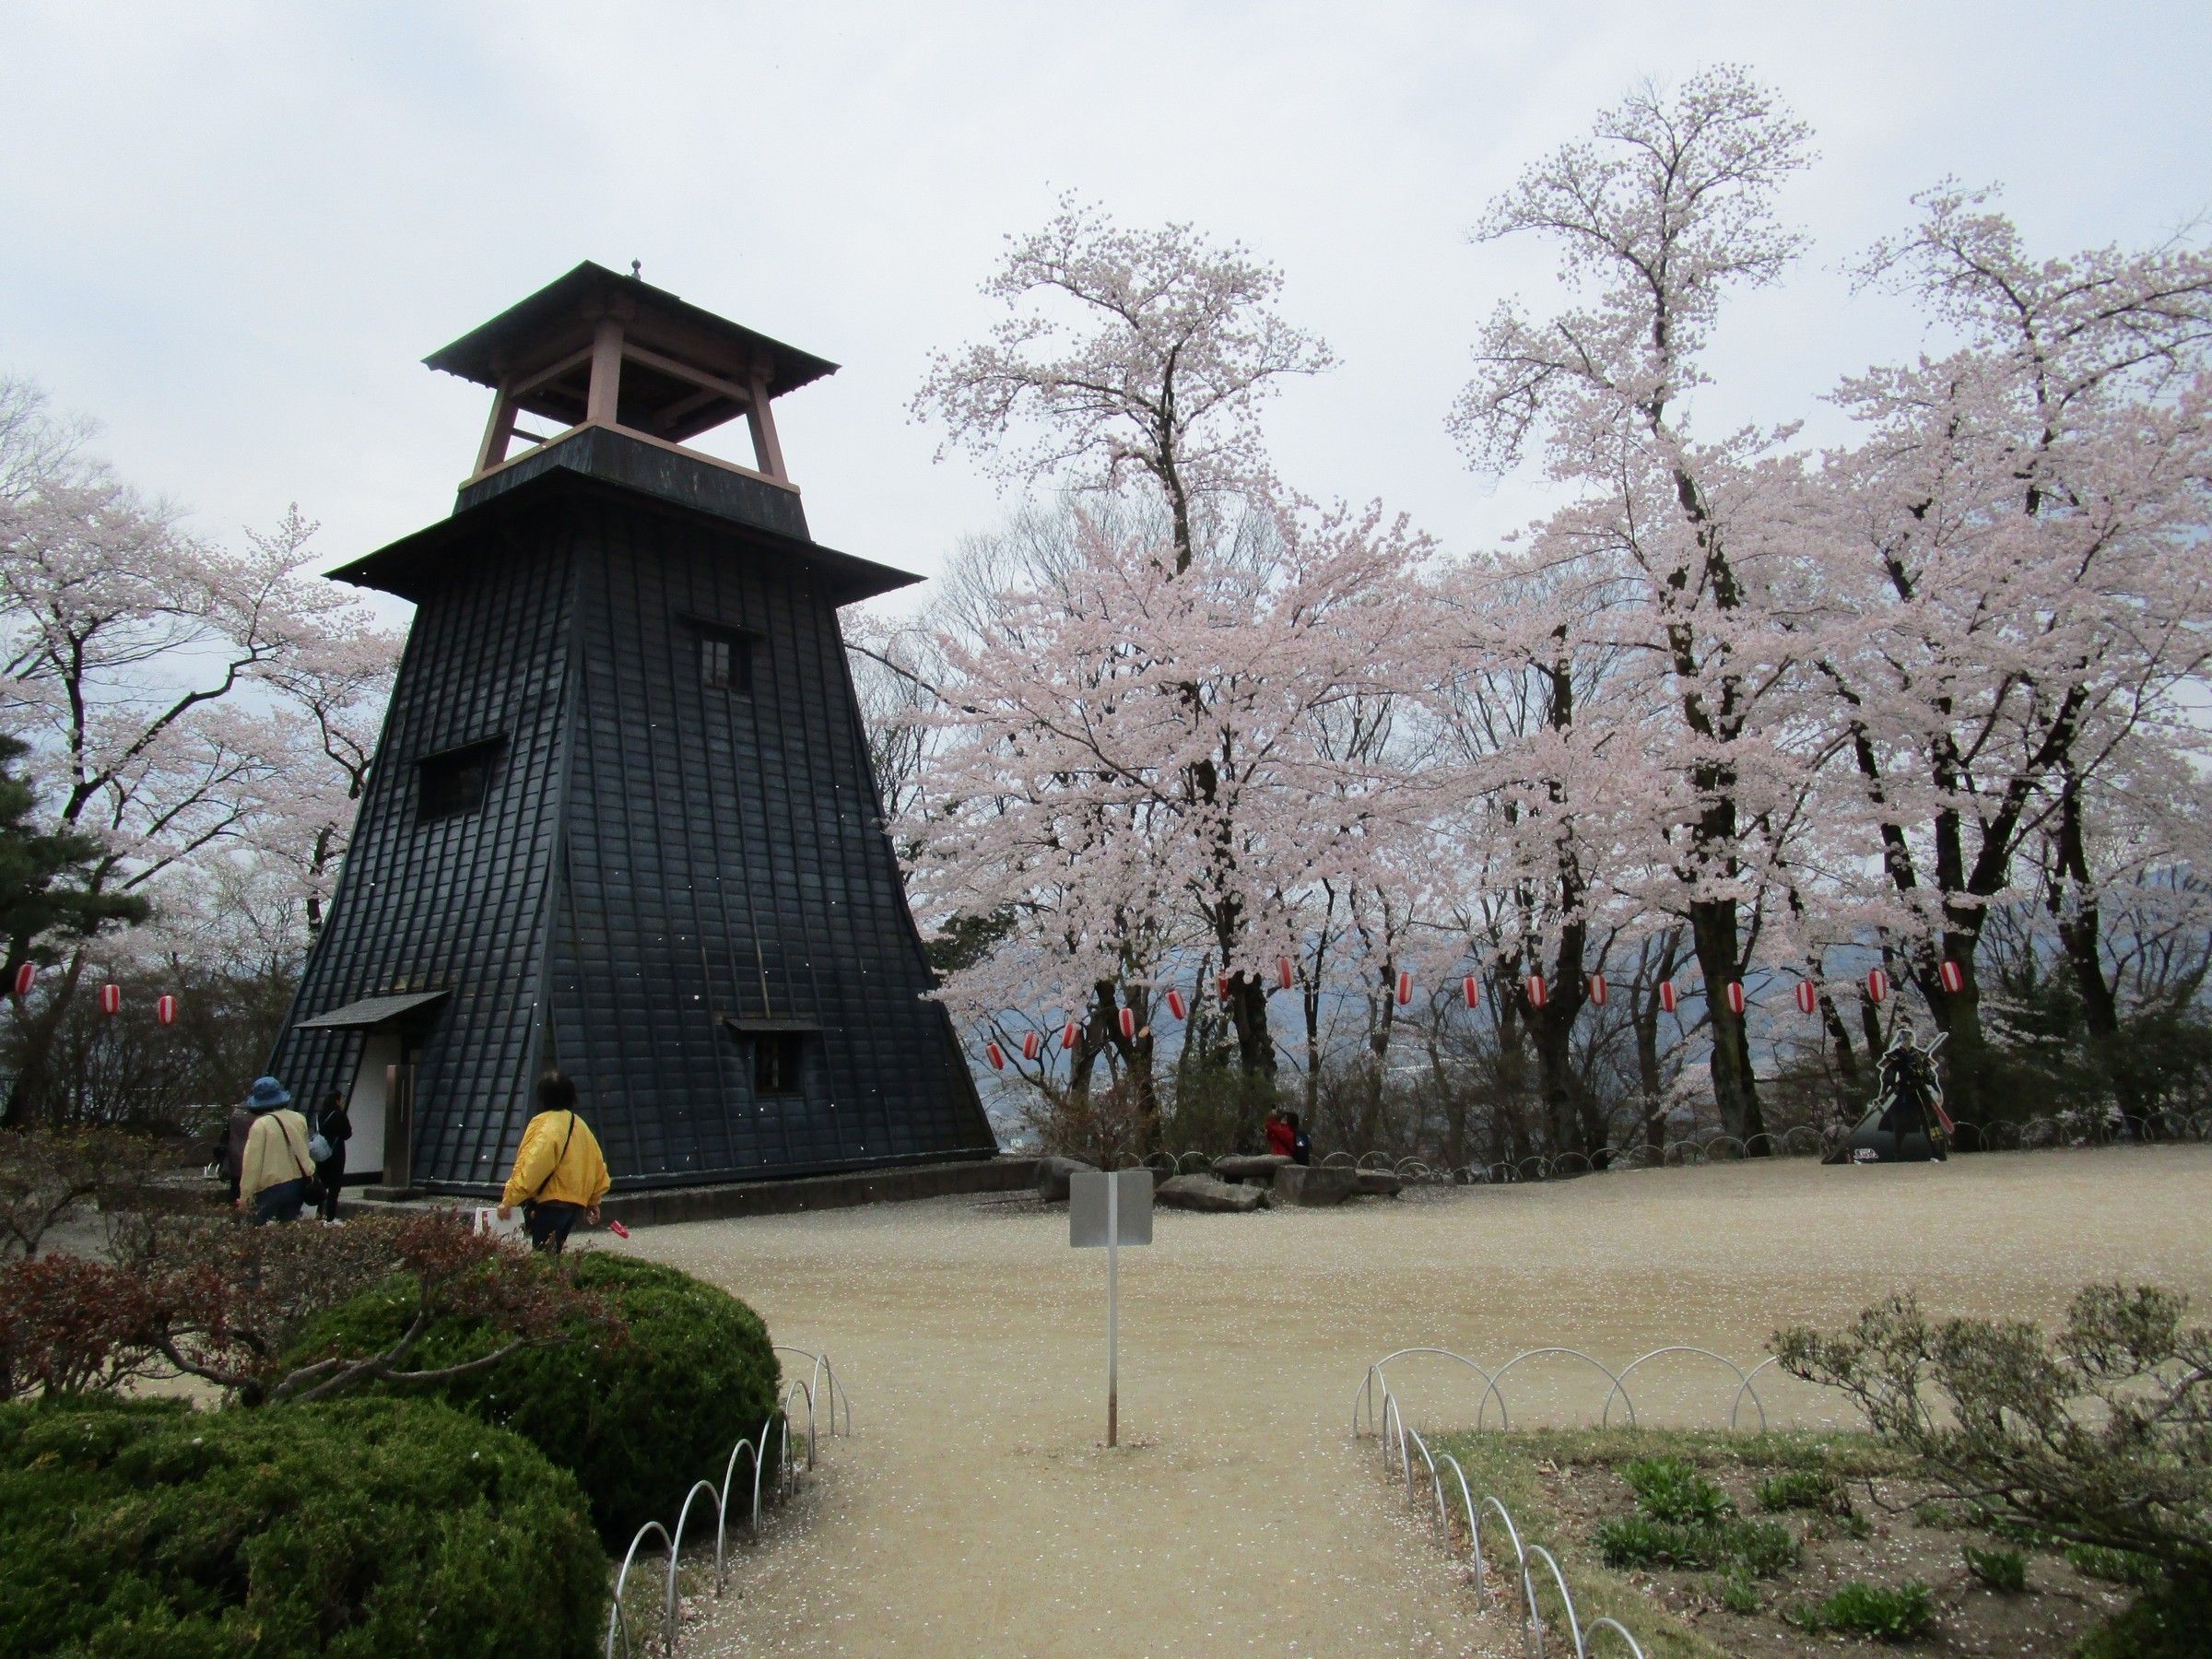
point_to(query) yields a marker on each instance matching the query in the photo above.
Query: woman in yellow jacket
(558, 1173)
(274, 1168)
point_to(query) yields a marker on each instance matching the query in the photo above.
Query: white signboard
(487, 1221)
(1106, 1212)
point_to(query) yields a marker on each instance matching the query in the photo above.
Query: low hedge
(356, 1528)
(637, 1420)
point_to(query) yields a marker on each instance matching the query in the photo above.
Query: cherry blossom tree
(1124, 352)
(1555, 753)
(333, 680)
(1668, 206)
(1143, 358)
(1065, 792)
(149, 673)
(2022, 556)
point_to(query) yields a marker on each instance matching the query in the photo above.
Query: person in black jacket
(335, 1129)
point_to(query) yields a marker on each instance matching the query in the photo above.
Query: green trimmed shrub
(1739, 1595)
(362, 1528)
(636, 1419)
(1903, 1613)
(1670, 1488)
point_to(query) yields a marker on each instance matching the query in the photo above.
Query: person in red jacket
(1282, 1139)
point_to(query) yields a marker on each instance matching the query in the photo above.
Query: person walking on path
(558, 1173)
(274, 1170)
(334, 1128)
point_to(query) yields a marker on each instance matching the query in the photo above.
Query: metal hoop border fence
(1386, 1420)
(1363, 1397)
(1405, 1440)
(752, 1447)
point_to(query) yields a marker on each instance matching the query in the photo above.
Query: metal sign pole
(1113, 1251)
(1102, 1215)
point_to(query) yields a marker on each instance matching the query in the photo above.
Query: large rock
(1311, 1185)
(1380, 1183)
(1204, 1193)
(1052, 1176)
(1260, 1166)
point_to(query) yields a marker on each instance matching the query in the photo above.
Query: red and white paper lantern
(1878, 986)
(1952, 975)
(165, 1008)
(1176, 1005)
(1285, 975)
(1033, 1044)
(992, 1052)
(1068, 1035)
(26, 977)
(1736, 996)
(1128, 1024)
(1668, 995)
(1597, 990)
(111, 998)
(1536, 990)
(1806, 996)
(1404, 987)
(1471, 988)
(1222, 985)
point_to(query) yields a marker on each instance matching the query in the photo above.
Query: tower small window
(777, 1059)
(725, 659)
(456, 781)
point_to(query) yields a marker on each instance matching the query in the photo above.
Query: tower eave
(559, 317)
(416, 566)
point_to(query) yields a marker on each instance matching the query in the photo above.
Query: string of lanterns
(1806, 993)
(110, 995)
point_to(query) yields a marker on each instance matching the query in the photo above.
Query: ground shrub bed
(359, 1528)
(636, 1418)
(1768, 1545)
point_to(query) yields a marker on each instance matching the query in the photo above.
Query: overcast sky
(230, 232)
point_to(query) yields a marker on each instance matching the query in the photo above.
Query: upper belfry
(597, 348)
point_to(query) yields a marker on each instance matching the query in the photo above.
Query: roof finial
(636, 270)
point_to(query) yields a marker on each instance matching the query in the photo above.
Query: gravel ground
(977, 1511)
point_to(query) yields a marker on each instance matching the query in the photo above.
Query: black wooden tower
(621, 818)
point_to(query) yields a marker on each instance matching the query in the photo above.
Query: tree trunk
(26, 1095)
(1311, 1001)
(1378, 1044)
(1847, 1064)
(1508, 1144)
(1248, 1010)
(1650, 1082)
(1136, 1055)
(1712, 926)
(1959, 1016)
(1551, 1030)
(2081, 933)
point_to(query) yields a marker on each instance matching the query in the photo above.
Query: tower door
(365, 1152)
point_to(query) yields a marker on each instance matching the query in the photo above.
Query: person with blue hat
(274, 1170)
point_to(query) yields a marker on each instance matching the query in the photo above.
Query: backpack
(318, 1144)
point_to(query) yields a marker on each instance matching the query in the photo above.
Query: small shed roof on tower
(543, 345)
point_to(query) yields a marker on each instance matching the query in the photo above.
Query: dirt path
(976, 1513)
